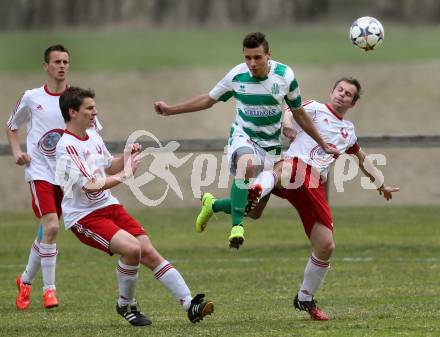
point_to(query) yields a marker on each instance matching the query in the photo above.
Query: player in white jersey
(300, 178)
(86, 171)
(39, 109)
(261, 87)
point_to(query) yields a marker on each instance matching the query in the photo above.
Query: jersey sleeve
(353, 146)
(71, 167)
(293, 96)
(353, 149)
(20, 114)
(311, 108)
(223, 91)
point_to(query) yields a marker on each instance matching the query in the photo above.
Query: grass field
(383, 281)
(149, 50)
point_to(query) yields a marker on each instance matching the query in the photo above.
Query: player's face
(85, 116)
(257, 61)
(341, 98)
(58, 65)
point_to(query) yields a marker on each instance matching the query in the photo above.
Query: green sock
(222, 205)
(238, 200)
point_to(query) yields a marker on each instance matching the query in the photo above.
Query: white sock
(33, 265)
(127, 280)
(267, 181)
(174, 282)
(48, 254)
(314, 275)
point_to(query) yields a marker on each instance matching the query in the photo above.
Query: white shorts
(239, 145)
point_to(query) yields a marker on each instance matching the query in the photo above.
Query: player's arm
(117, 163)
(20, 157)
(306, 123)
(197, 103)
(288, 130)
(19, 115)
(368, 168)
(100, 184)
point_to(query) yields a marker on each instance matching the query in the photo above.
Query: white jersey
(40, 110)
(259, 102)
(80, 161)
(336, 132)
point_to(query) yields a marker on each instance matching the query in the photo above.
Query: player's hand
(22, 158)
(132, 148)
(162, 108)
(131, 163)
(387, 191)
(332, 151)
(134, 163)
(289, 133)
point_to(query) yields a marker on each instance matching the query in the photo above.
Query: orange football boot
(24, 292)
(50, 298)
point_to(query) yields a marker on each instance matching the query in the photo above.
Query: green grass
(149, 50)
(383, 281)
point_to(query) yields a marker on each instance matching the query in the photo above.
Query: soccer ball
(367, 33)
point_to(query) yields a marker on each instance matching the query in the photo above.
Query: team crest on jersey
(344, 133)
(275, 89)
(242, 88)
(48, 142)
(39, 107)
(320, 157)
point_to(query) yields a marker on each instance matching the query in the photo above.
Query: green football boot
(236, 238)
(205, 213)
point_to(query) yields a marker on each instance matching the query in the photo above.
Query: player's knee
(50, 229)
(133, 251)
(327, 248)
(148, 253)
(324, 249)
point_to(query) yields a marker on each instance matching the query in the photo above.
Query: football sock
(222, 205)
(266, 180)
(127, 279)
(33, 264)
(174, 282)
(239, 194)
(314, 275)
(48, 254)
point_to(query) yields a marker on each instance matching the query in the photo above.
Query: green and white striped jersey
(259, 101)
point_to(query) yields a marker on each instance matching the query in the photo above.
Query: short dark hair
(56, 47)
(72, 98)
(254, 40)
(352, 81)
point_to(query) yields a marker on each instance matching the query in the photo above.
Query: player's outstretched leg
(199, 308)
(24, 292)
(205, 213)
(314, 311)
(133, 314)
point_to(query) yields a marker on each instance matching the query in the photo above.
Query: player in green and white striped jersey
(261, 88)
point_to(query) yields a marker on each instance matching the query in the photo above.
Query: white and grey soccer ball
(367, 33)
